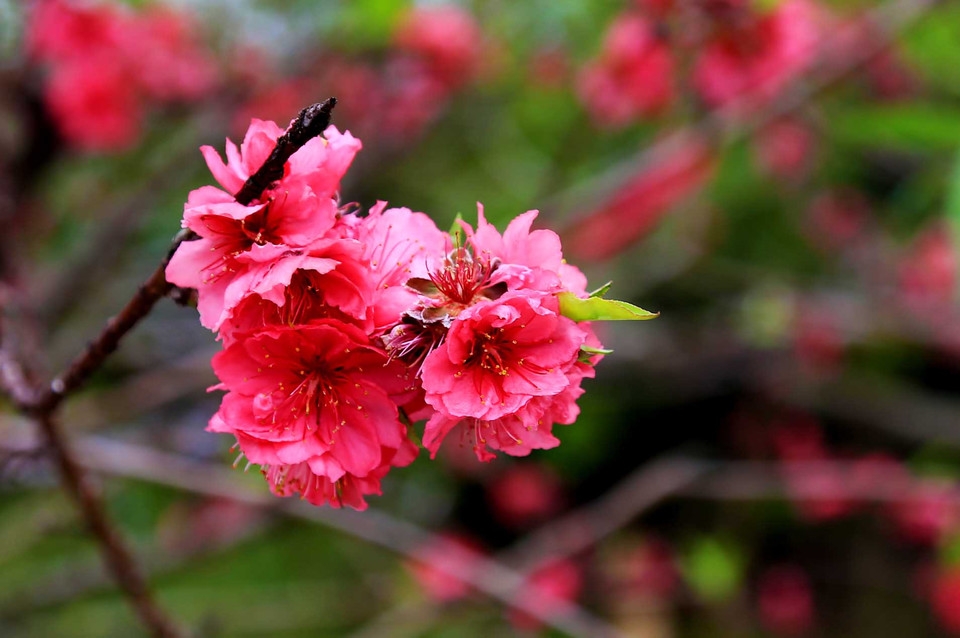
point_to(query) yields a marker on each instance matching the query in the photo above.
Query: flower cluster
(736, 52)
(107, 64)
(341, 329)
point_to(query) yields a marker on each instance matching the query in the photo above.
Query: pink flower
(785, 600)
(446, 38)
(550, 587)
(927, 514)
(757, 61)
(633, 76)
(61, 29)
(524, 495)
(236, 239)
(397, 246)
(928, 272)
(636, 208)
(500, 354)
(945, 599)
(348, 490)
(461, 553)
(837, 218)
(105, 64)
(94, 104)
(517, 433)
(785, 149)
(523, 259)
(318, 394)
(166, 55)
(652, 570)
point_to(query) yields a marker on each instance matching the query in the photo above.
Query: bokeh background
(776, 455)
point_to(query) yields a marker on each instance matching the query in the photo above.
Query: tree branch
(119, 560)
(16, 379)
(308, 124)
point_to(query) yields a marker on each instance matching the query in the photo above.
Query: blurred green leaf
(714, 568)
(908, 126)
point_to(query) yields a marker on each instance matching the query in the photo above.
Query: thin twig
(40, 404)
(308, 124)
(583, 528)
(486, 575)
(117, 556)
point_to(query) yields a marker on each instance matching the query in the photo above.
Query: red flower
(318, 394)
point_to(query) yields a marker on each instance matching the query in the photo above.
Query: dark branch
(311, 121)
(41, 403)
(117, 556)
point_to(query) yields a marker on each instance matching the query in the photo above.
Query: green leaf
(602, 290)
(592, 350)
(599, 309)
(713, 568)
(915, 126)
(953, 201)
(456, 231)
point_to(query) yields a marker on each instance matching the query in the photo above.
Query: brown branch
(116, 555)
(486, 575)
(40, 403)
(308, 124)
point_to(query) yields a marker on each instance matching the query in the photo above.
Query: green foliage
(714, 568)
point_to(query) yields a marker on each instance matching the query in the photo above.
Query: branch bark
(41, 403)
(308, 124)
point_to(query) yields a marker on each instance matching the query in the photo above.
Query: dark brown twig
(16, 380)
(119, 560)
(308, 124)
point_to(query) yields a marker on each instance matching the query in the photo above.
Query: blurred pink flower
(945, 598)
(166, 56)
(61, 29)
(632, 77)
(95, 105)
(427, 566)
(785, 149)
(446, 38)
(653, 571)
(550, 586)
(785, 600)
(927, 514)
(524, 495)
(635, 209)
(928, 271)
(756, 60)
(817, 340)
(837, 217)
(107, 64)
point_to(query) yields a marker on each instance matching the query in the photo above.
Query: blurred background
(776, 455)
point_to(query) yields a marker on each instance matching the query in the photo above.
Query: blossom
(785, 600)
(95, 106)
(460, 554)
(340, 329)
(525, 495)
(551, 586)
(107, 64)
(632, 77)
(319, 394)
(446, 38)
(349, 490)
(756, 61)
(499, 354)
